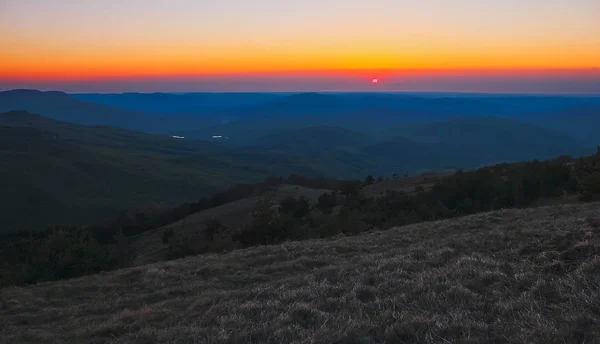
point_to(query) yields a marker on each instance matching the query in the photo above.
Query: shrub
(298, 208)
(211, 227)
(326, 202)
(167, 235)
(183, 244)
(267, 227)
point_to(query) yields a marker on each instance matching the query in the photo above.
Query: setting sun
(375, 81)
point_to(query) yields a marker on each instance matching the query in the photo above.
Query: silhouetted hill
(402, 155)
(244, 118)
(582, 123)
(486, 140)
(60, 106)
(455, 144)
(333, 150)
(180, 104)
(363, 113)
(312, 140)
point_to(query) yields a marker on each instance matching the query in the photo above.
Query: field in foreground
(512, 276)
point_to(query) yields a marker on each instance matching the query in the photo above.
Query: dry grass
(518, 276)
(232, 215)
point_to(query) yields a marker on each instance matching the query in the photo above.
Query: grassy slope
(517, 276)
(234, 215)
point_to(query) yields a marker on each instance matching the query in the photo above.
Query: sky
(514, 46)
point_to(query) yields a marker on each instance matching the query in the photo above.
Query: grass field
(511, 276)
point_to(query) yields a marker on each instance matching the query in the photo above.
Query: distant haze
(514, 83)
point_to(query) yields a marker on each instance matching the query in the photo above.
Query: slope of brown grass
(233, 215)
(518, 276)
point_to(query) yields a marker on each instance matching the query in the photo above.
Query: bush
(167, 235)
(183, 244)
(297, 208)
(267, 227)
(326, 203)
(350, 188)
(211, 227)
(58, 254)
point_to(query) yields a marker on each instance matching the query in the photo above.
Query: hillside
(461, 143)
(582, 122)
(376, 113)
(510, 276)
(403, 155)
(60, 173)
(333, 150)
(233, 215)
(312, 140)
(366, 114)
(63, 107)
(178, 104)
(484, 140)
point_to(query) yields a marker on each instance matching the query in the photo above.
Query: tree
(369, 180)
(183, 244)
(297, 208)
(167, 235)
(326, 203)
(302, 208)
(349, 188)
(211, 227)
(267, 227)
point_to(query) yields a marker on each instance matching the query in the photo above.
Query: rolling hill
(56, 173)
(179, 104)
(367, 114)
(486, 140)
(443, 145)
(63, 107)
(582, 123)
(378, 114)
(511, 276)
(313, 139)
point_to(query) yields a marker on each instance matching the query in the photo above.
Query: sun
(375, 81)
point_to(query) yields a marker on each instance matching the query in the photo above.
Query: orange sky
(91, 40)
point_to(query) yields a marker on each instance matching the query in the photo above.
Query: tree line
(66, 252)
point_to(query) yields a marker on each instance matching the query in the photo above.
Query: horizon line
(589, 94)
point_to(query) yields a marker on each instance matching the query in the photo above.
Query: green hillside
(58, 173)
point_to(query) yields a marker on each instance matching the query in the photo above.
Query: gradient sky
(549, 46)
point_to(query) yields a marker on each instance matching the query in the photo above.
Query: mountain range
(57, 148)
